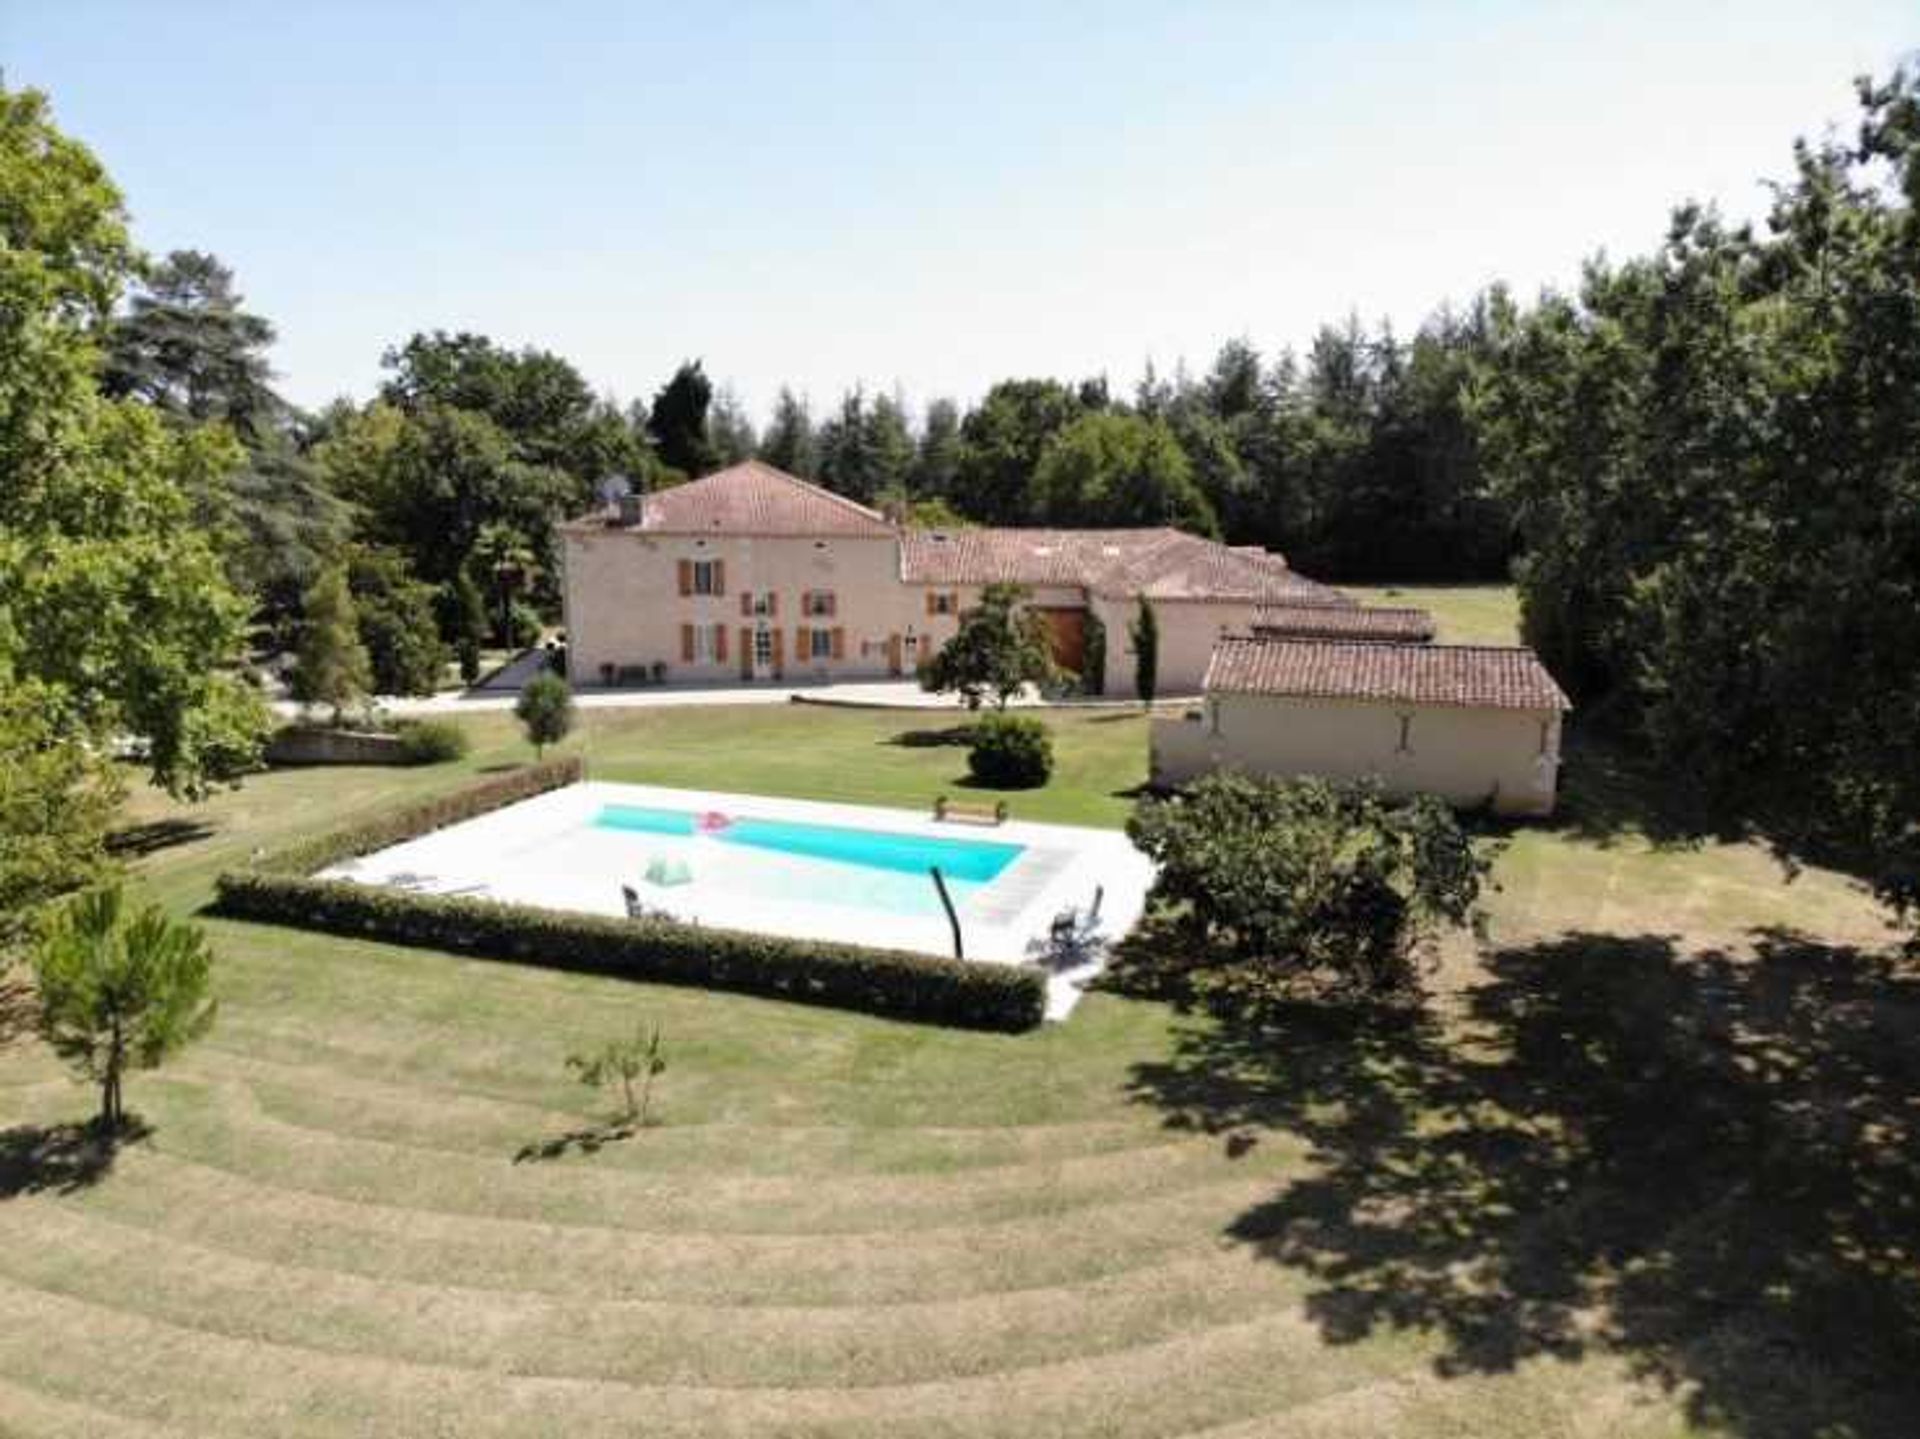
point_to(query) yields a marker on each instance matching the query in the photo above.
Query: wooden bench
(963, 812)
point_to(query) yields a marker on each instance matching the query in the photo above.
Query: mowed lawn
(1463, 614)
(1648, 1169)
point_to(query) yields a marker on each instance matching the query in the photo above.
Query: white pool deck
(545, 851)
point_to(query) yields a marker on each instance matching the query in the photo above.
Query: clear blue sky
(922, 196)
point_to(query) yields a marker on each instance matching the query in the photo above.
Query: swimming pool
(965, 859)
(851, 874)
(885, 870)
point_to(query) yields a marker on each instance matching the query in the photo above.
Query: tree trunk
(111, 1110)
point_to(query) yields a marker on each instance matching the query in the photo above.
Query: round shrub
(1010, 752)
(432, 741)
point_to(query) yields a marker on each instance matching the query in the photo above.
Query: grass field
(1464, 614)
(1649, 1169)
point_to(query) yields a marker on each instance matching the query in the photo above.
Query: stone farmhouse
(754, 575)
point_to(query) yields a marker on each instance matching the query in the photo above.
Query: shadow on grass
(1607, 792)
(590, 1139)
(960, 735)
(1707, 1165)
(138, 840)
(60, 1158)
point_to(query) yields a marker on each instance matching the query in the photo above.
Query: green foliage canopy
(110, 596)
(545, 711)
(1010, 752)
(58, 798)
(331, 666)
(1109, 470)
(1714, 455)
(1276, 890)
(1000, 647)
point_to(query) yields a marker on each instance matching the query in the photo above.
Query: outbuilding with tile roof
(1475, 724)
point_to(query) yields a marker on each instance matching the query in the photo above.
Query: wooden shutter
(719, 577)
(930, 604)
(746, 602)
(773, 603)
(686, 577)
(802, 645)
(839, 643)
(893, 654)
(806, 603)
(779, 651)
(833, 604)
(720, 644)
(686, 641)
(746, 653)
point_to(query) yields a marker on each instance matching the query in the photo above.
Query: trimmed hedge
(894, 983)
(423, 818)
(877, 981)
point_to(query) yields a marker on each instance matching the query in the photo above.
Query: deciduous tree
(1000, 647)
(1278, 890)
(113, 599)
(58, 798)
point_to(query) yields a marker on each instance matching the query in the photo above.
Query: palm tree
(504, 554)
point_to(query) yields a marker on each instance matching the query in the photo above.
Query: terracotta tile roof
(750, 498)
(984, 556)
(1473, 676)
(1160, 563)
(1359, 622)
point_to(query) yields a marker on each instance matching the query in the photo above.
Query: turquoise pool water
(818, 863)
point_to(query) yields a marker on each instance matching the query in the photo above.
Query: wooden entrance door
(1067, 631)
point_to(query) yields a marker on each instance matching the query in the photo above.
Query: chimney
(630, 510)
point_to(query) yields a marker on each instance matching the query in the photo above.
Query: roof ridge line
(1429, 648)
(756, 462)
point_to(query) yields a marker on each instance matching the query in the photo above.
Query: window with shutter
(719, 644)
(719, 577)
(746, 602)
(802, 643)
(686, 577)
(686, 644)
(839, 643)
